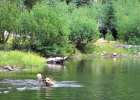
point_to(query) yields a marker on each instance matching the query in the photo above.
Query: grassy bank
(109, 47)
(28, 60)
(106, 48)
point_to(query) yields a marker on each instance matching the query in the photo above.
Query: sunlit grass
(109, 47)
(27, 60)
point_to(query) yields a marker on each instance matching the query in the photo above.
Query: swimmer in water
(45, 81)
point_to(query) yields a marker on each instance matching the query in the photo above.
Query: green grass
(109, 47)
(28, 60)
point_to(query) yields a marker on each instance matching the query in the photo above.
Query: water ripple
(7, 85)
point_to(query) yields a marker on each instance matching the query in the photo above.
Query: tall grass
(27, 60)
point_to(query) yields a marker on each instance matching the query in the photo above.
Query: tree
(10, 13)
(107, 19)
(30, 3)
(83, 27)
(128, 20)
(51, 33)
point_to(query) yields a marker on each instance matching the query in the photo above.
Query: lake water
(92, 79)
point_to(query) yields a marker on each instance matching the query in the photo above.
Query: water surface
(92, 79)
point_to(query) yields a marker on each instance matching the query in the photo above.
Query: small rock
(9, 68)
(56, 60)
(9, 87)
(21, 89)
(6, 92)
(114, 54)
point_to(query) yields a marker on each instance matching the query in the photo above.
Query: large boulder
(56, 60)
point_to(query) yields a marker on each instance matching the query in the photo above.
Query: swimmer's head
(39, 76)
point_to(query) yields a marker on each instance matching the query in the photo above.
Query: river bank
(109, 49)
(18, 61)
(99, 78)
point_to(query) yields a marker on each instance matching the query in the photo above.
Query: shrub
(26, 31)
(9, 15)
(51, 34)
(83, 27)
(128, 19)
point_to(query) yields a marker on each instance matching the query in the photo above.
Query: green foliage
(78, 2)
(30, 3)
(9, 14)
(26, 30)
(128, 20)
(46, 28)
(83, 27)
(54, 27)
(106, 15)
(51, 34)
(21, 59)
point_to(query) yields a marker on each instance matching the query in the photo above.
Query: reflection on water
(28, 84)
(92, 79)
(55, 67)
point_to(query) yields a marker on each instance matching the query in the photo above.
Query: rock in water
(56, 60)
(9, 68)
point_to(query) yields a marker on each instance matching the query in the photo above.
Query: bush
(83, 27)
(26, 31)
(128, 20)
(9, 15)
(51, 34)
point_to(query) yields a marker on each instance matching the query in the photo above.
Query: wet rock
(56, 60)
(8, 68)
(5, 92)
(21, 89)
(114, 54)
